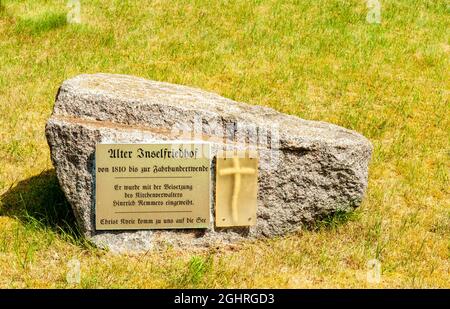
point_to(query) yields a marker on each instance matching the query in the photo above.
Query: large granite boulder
(307, 169)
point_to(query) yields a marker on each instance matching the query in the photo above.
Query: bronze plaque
(236, 189)
(152, 186)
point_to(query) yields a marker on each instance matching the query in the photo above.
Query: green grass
(316, 59)
(45, 23)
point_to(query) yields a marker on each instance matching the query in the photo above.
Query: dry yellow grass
(315, 59)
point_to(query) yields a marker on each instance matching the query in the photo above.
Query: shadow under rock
(39, 199)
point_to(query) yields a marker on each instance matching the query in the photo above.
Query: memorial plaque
(236, 189)
(152, 186)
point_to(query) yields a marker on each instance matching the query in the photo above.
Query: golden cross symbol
(237, 171)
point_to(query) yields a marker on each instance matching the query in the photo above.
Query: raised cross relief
(236, 190)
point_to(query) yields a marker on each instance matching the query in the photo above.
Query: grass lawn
(317, 59)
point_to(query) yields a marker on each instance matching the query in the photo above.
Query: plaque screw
(223, 219)
(250, 219)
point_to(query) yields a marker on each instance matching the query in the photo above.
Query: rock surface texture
(307, 169)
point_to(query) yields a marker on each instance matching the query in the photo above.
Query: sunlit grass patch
(41, 24)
